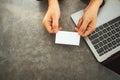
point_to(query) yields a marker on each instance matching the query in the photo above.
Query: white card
(68, 38)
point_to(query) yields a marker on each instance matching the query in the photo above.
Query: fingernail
(55, 30)
(60, 28)
(80, 33)
(76, 29)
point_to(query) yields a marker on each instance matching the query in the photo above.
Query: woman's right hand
(51, 19)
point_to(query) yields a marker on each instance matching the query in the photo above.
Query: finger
(76, 29)
(89, 30)
(55, 24)
(84, 25)
(79, 23)
(60, 28)
(78, 26)
(48, 26)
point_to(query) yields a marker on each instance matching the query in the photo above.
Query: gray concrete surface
(28, 52)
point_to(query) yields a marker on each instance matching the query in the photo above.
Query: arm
(87, 23)
(51, 19)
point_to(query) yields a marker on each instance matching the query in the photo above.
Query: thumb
(55, 24)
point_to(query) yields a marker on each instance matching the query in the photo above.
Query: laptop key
(101, 38)
(105, 36)
(113, 37)
(113, 31)
(116, 24)
(105, 41)
(109, 39)
(97, 30)
(118, 40)
(117, 35)
(110, 45)
(105, 25)
(92, 37)
(114, 20)
(100, 44)
(100, 32)
(112, 26)
(109, 33)
(96, 46)
(105, 47)
(104, 31)
(114, 43)
(100, 50)
(108, 28)
(117, 29)
(100, 27)
(119, 23)
(95, 41)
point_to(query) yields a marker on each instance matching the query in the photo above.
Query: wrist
(96, 3)
(52, 2)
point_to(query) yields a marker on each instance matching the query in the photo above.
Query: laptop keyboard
(106, 37)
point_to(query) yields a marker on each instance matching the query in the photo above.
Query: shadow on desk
(113, 63)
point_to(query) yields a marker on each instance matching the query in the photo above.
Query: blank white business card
(68, 38)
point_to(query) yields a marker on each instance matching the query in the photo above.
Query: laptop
(105, 41)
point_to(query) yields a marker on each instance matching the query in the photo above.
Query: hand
(51, 19)
(87, 24)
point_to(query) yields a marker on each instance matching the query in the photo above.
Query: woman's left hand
(87, 24)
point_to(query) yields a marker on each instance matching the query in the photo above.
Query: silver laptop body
(109, 11)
